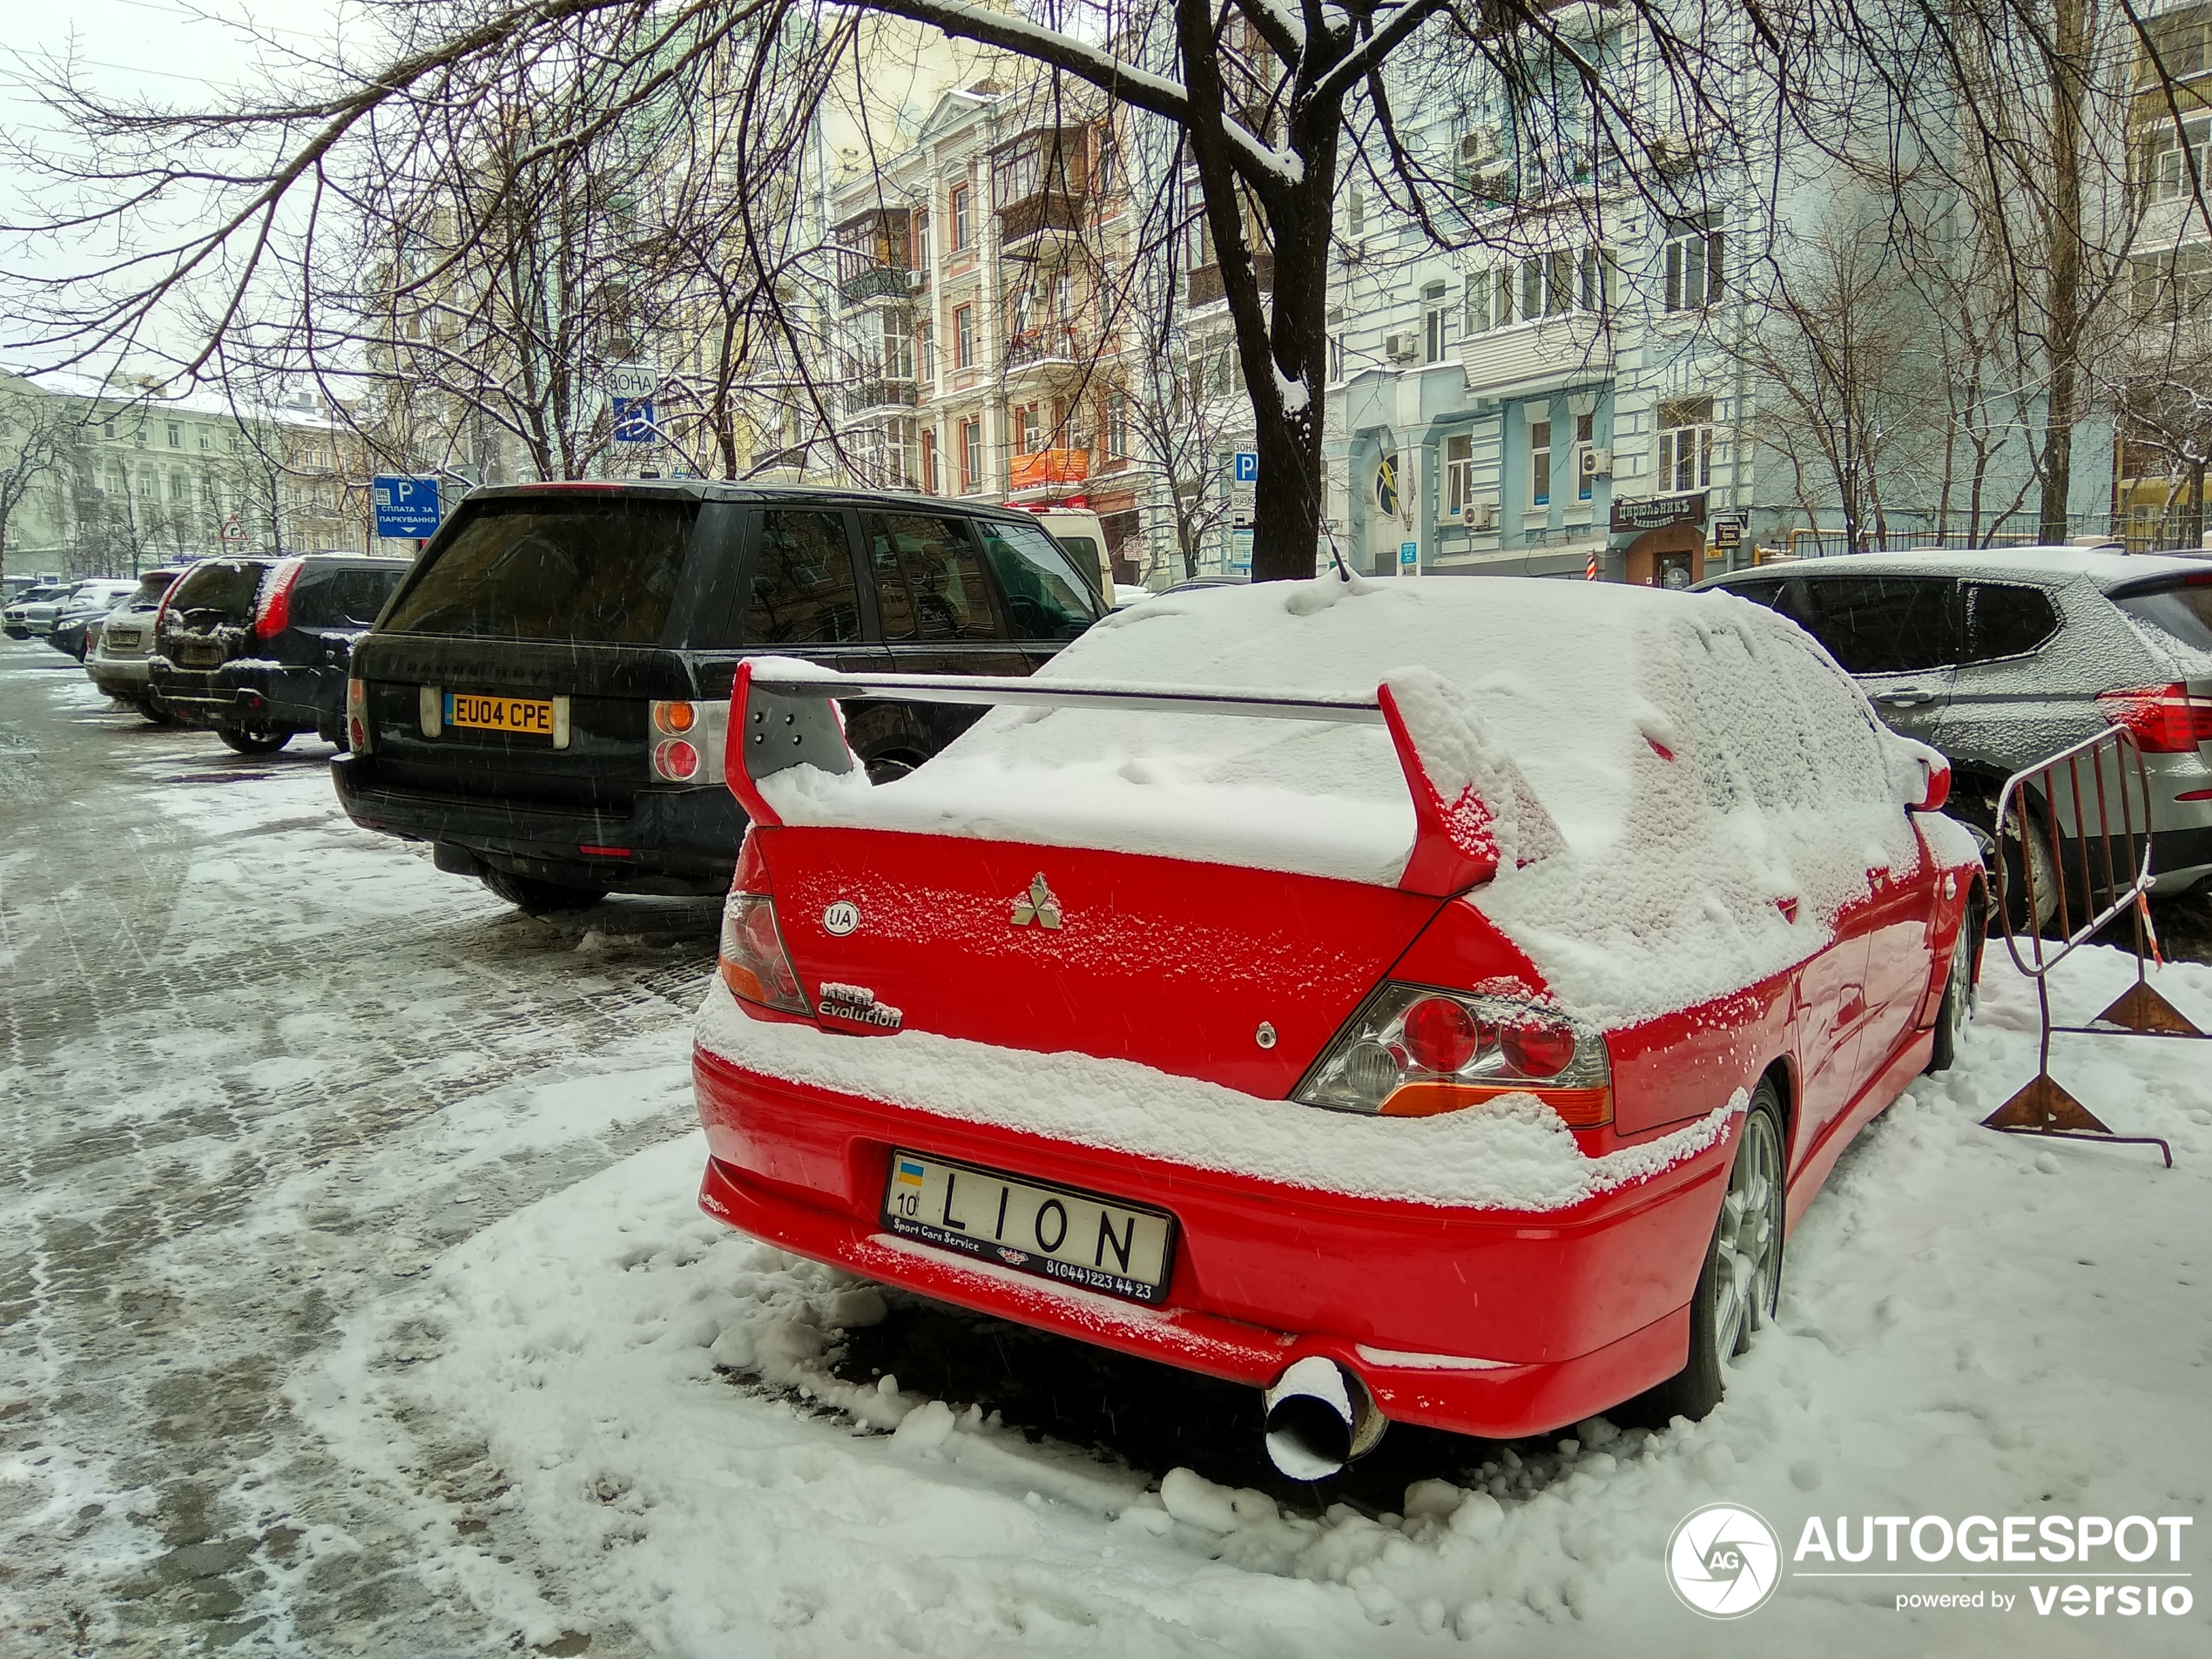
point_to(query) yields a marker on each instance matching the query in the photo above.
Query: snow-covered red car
(1424, 1001)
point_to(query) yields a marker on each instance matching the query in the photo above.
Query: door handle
(1904, 700)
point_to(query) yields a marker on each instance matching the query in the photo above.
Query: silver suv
(2000, 657)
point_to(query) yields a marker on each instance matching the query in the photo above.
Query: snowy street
(353, 1299)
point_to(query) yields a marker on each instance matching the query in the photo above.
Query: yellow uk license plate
(530, 716)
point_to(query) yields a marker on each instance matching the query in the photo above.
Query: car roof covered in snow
(2106, 566)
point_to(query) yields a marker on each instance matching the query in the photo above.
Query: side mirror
(1939, 789)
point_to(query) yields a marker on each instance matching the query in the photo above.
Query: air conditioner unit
(917, 280)
(1402, 348)
(1597, 463)
(1478, 146)
(1480, 514)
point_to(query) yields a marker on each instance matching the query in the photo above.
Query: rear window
(148, 597)
(928, 581)
(2007, 621)
(599, 571)
(1045, 597)
(803, 590)
(221, 589)
(2183, 612)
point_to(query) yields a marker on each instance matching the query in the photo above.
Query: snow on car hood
(1695, 760)
(1513, 1154)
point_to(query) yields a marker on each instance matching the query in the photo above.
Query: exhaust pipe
(1319, 1418)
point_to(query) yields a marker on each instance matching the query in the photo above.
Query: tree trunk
(2062, 232)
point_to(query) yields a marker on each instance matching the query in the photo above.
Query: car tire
(1741, 1281)
(1979, 814)
(1958, 1005)
(155, 714)
(537, 898)
(252, 739)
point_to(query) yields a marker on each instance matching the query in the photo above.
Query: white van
(1078, 530)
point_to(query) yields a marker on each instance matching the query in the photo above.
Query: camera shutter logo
(1724, 1560)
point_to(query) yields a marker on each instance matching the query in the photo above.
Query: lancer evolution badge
(1037, 905)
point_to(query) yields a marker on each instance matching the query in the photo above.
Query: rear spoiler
(781, 716)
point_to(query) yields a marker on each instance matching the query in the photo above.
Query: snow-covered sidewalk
(658, 1453)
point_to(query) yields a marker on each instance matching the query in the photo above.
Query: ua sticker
(841, 918)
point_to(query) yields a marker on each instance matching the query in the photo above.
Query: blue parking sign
(1245, 467)
(634, 421)
(407, 508)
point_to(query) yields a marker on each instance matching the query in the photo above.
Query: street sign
(233, 530)
(407, 508)
(1728, 528)
(629, 382)
(634, 421)
(1240, 550)
(1409, 559)
(1245, 467)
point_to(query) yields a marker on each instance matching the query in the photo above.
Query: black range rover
(546, 698)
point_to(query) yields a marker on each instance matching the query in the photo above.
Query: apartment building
(984, 310)
(140, 476)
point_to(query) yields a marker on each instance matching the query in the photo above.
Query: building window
(1026, 424)
(964, 337)
(1459, 473)
(1540, 463)
(176, 436)
(177, 487)
(1355, 212)
(929, 459)
(925, 349)
(1435, 335)
(2177, 162)
(205, 442)
(1585, 425)
(107, 428)
(971, 456)
(1336, 357)
(1116, 425)
(1693, 257)
(963, 218)
(1685, 445)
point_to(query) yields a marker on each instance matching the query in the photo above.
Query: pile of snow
(1663, 766)
(1971, 1324)
(1515, 1154)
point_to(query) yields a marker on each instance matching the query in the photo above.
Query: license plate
(530, 716)
(201, 656)
(1081, 1239)
(122, 635)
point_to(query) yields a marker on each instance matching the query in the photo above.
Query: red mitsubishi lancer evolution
(1431, 1001)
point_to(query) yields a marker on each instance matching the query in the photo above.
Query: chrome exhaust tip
(1319, 1418)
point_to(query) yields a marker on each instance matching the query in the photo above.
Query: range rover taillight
(687, 741)
(358, 738)
(1415, 1051)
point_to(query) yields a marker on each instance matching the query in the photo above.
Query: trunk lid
(1172, 963)
(209, 618)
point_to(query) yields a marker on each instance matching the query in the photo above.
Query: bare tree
(40, 440)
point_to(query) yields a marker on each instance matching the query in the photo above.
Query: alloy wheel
(1747, 1251)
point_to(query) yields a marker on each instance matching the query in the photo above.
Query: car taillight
(1412, 1051)
(2164, 719)
(358, 738)
(755, 966)
(273, 615)
(688, 741)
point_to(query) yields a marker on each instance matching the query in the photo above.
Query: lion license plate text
(1054, 1232)
(532, 717)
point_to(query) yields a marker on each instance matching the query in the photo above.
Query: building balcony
(1046, 468)
(1554, 351)
(1206, 287)
(858, 282)
(879, 394)
(1048, 346)
(1046, 212)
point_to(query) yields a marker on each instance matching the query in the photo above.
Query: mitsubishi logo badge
(1037, 905)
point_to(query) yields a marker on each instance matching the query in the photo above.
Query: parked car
(544, 701)
(77, 619)
(257, 649)
(1196, 1038)
(2000, 657)
(1083, 534)
(33, 612)
(118, 660)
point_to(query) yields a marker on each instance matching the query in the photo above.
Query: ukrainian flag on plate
(909, 1173)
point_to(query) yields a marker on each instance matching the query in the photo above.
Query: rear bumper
(1486, 1322)
(684, 840)
(278, 696)
(123, 677)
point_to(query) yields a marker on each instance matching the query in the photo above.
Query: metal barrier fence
(2073, 852)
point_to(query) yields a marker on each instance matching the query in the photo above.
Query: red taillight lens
(676, 760)
(357, 732)
(755, 966)
(1440, 1035)
(273, 615)
(2163, 719)
(1539, 1049)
